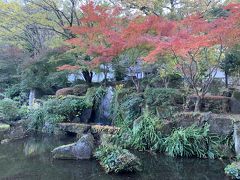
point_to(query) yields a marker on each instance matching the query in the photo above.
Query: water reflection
(31, 159)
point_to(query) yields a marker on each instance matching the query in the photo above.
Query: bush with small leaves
(9, 109)
(115, 159)
(57, 110)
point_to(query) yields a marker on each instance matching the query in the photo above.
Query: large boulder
(215, 104)
(186, 119)
(3, 129)
(103, 113)
(84, 117)
(82, 149)
(236, 137)
(78, 90)
(15, 130)
(235, 102)
(220, 124)
(18, 132)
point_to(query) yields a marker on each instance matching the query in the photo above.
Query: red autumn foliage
(104, 33)
(68, 67)
(99, 34)
(194, 32)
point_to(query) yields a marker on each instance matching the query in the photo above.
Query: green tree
(231, 63)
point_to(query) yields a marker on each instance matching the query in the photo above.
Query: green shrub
(115, 159)
(131, 106)
(163, 101)
(126, 105)
(94, 95)
(160, 96)
(36, 118)
(23, 111)
(9, 109)
(143, 135)
(117, 111)
(57, 110)
(68, 106)
(190, 141)
(13, 91)
(16, 93)
(233, 170)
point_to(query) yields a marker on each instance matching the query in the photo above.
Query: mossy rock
(76, 128)
(236, 95)
(4, 127)
(82, 149)
(233, 170)
(115, 159)
(104, 129)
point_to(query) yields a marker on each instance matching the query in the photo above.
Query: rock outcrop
(235, 102)
(236, 137)
(220, 124)
(82, 149)
(17, 131)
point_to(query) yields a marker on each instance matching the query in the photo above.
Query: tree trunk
(105, 73)
(166, 83)
(87, 76)
(136, 82)
(197, 104)
(226, 79)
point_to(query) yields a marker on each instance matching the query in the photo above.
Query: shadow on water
(31, 159)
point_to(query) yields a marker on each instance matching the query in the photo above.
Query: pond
(30, 158)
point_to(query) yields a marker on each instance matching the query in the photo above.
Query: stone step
(80, 128)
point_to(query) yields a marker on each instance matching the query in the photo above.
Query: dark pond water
(31, 159)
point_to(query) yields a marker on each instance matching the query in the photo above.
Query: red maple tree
(198, 45)
(98, 35)
(195, 43)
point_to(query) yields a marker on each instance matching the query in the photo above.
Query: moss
(105, 129)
